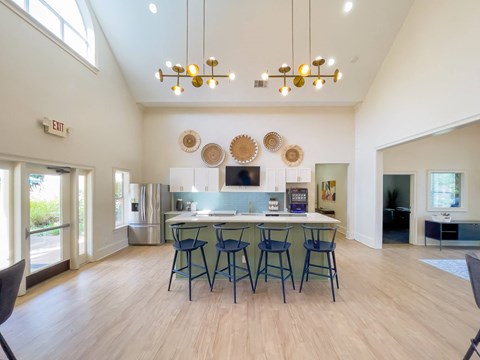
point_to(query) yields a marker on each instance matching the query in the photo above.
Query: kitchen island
(252, 235)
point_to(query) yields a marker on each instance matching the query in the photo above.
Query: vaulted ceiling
(249, 37)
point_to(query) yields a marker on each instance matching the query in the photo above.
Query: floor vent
(260, 84)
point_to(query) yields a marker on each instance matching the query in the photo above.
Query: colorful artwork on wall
(329, 190)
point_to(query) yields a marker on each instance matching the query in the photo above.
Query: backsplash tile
(240, 201)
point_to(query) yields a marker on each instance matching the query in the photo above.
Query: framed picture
(329, 190)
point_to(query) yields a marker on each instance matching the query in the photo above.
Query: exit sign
(55, 127)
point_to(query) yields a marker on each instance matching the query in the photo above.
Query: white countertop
(309, 218)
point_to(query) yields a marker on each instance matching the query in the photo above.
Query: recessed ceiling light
(348, 6)
(153, 8)
(331, 61)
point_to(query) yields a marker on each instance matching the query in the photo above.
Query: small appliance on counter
(273, 204)
(179, 205)
(148, 204)
(297, 200)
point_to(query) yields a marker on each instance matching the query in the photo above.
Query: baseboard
(365, 240)
(121, 242)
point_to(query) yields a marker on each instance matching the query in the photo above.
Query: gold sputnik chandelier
(193, 71)
(304, 70)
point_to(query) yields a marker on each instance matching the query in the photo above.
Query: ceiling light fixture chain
(192, 70)
(304, 70)
(186, 57)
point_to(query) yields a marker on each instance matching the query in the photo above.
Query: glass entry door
(49, 224)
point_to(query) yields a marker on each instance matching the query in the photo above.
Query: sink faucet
(250, 207)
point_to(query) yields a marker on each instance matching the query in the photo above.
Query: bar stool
(268, 245)
(187, 246)
(231, 246)
(313, 242)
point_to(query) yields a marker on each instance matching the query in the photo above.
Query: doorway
(397, 208)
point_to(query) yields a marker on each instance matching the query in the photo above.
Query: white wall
(430, 80)
(455, 151)
(326, 135)
(339, 173)
(38, 78)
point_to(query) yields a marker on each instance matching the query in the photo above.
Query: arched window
(69, 20)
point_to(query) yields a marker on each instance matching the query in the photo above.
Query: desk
(325, 211)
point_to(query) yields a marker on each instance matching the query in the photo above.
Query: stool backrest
(319, 234)
(220, 229)
(177, 229)
(266, 234)
(473, 265)
(10, 279)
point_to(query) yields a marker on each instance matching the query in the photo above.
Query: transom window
(68, 20)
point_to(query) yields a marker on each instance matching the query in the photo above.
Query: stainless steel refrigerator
(148, 204)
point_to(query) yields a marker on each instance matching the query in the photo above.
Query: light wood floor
(389, 306)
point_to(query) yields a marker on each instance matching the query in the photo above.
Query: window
(67, 20)
(122, 180)
(447, 191)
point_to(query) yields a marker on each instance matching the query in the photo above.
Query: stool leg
(308, 265)
(473, 347)
(6, 348)
(234, 278)
(266, 266)
(258, 270)
(173, 268)
(189, 263)
(305, 269)
(291, 271)
(331, 277)
(335, 268)
(206, 267)
(282, 278)
(215, 271)
(229, 266)
(248, 268)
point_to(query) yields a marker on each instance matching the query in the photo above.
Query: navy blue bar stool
(187, 246)
(320, 240)
(230, 247)
(268, 245)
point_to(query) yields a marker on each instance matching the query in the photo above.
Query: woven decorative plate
(213, 155)
(272, 141)
(243, 149)
(292, 155)
(189, 141)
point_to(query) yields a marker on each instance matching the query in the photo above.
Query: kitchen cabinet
(275, 180)
(207, 179)
(167, 232)
(299, 175)
(182, 179)
(194, 180)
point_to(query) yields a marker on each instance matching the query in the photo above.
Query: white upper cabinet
(299, 175)
(182, 180)
(207, 179)
(275, 180)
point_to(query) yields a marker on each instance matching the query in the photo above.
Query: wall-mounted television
(242, 175)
